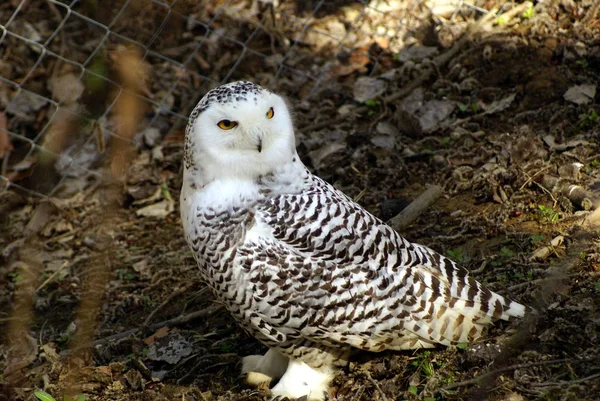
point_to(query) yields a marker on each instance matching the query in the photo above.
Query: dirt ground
(499, 111)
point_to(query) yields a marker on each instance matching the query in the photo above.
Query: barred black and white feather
(301, 266)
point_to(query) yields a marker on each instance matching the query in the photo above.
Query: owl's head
(239, 130)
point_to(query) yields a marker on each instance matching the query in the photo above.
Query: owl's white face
(242, 131)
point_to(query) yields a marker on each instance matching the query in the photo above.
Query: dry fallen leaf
(5, 144)
(161, 209)
(163, 331)
(367, 88)
(66, 88)
(545, 251)
(581, 94)
(499, 105)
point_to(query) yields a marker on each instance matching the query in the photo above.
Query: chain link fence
(58, 89)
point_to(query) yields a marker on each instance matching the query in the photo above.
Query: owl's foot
(261, 370)
(301, 382)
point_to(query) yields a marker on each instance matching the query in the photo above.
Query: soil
(502, 115)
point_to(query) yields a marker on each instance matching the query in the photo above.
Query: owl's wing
(322, 268)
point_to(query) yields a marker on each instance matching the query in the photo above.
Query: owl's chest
(215, 219)
(214, 233)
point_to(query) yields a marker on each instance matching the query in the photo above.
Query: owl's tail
(457, 307)
(515, 309)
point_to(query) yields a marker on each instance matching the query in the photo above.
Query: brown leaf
(5, 144)
(163, 331)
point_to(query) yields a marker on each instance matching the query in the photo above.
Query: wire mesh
(56, 66)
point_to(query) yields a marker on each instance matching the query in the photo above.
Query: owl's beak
(256, 135)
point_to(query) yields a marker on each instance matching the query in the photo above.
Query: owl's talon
(303, 383)
(261, 370)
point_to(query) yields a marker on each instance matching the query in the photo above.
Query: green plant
(372, 105)
(424, 364)
(465, 108)
(502, 278)
(506, 252)
(457, 254)
(148, 301)
(548, 214)
(496, 262)
(44, 396)
(595, 163)
(79, 397)
(64, 338)
(228, 346)
(126, 275)
(536, 239)
(583, 63)
(529, 13)
(445, 141)
(588, 119)
(15, 277)
(164, 188)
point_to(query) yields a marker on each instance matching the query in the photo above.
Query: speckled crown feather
(234, 91)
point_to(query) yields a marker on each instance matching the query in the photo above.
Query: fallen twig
(173, 295)
(578, 195)
(211, 310)
(199, 360)
(367, 374)
(52, 276)
(416, 208)
(568, 382)
(478, 379)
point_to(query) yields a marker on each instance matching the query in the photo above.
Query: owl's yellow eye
(227, 124)
(270, 113)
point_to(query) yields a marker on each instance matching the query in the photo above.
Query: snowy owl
(301, 266)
